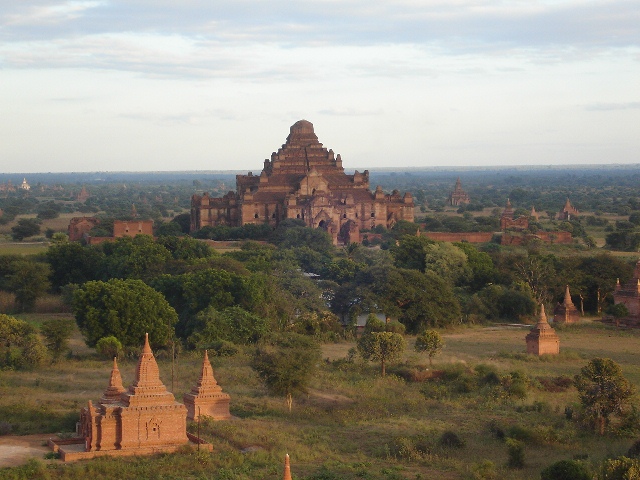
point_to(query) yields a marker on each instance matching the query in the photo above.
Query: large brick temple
(303, 180)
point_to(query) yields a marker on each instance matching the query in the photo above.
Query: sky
(165, 85)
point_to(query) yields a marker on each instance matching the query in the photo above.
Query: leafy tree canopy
(125, 309)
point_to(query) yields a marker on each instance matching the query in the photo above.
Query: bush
(486, 470)
(450, 439)
(224, 349)
(5, 428)
(566, 470)
(109, 347)
(515, 450)
(409, 448)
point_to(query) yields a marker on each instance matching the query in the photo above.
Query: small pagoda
(566, 312)
(206, 397)
(542, 339)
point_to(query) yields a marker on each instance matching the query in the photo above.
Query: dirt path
(16, 450)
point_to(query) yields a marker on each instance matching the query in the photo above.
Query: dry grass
(347, 425)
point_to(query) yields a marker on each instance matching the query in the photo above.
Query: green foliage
(515, 452)
(57, 333)
(233, 324)
(411, 252)
(138, 257)
(125, 309)
(286, 363)
(317, 324)
(447, 261)
(566, 470)
(621, 468)
(381, 347)
(604, 391)
(185, 248)
(430, 342)
(28, 281)
(20, 347)
(72, 262)
(450, 439)
(109, 347)
(26, 227)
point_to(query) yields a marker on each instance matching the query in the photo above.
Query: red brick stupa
(142, 420)
(566, 312)
(542, 339)
(206, 397)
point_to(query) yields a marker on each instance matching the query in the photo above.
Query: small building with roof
(542, 339)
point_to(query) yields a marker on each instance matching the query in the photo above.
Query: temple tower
(206, 397)
(542, 339)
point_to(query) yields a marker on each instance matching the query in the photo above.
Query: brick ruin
(458, 196)
(629, 295)
(303, 180)
(567, 212)
(81, 226)
(507, 220)
(542, 339)
(566, 312)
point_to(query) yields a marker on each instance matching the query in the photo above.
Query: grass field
(352, 424)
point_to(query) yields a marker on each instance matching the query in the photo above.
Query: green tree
(604, 391)
(381, 347)
(20, 347)
(72, 262)
(411, 252)
(430, 342)
(57, 333)
(566, 470)
(109, 347)
(28, 281)
(621, 468)
(286, 363)
(233, 324)
(26, 227)
(125, 309)
(447, 261)
(134, 257)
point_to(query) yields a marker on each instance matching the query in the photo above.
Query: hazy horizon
(114, 85)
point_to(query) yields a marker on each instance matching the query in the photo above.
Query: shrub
(634, 450)
(109, 347)
(497, 430)
(515, 450)
(485, 470)
(224, 349)
(450, 439)
(566, 470)
(5, 427)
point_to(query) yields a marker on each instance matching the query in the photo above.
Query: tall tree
(125, 309)
(28, 281)
(286, 363)
(604, 391)
(381, 347)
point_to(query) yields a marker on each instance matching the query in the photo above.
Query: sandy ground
(16, 450)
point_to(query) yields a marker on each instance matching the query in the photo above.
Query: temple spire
(115, 388)
(542, 318)
(567, 296)
(287, 468)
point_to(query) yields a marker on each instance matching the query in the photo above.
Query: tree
(621, 468)
(109, 347)
(411, 252)
(603, 391)
(431, 342)
(125, 309)
(28, 281)
(73, 263)
(20, 347)
(56, 333)
(232, 324)
(381, 347)
(566, 470)
(447, 261)
(286, 363)
(137, 257)
(26, 227)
